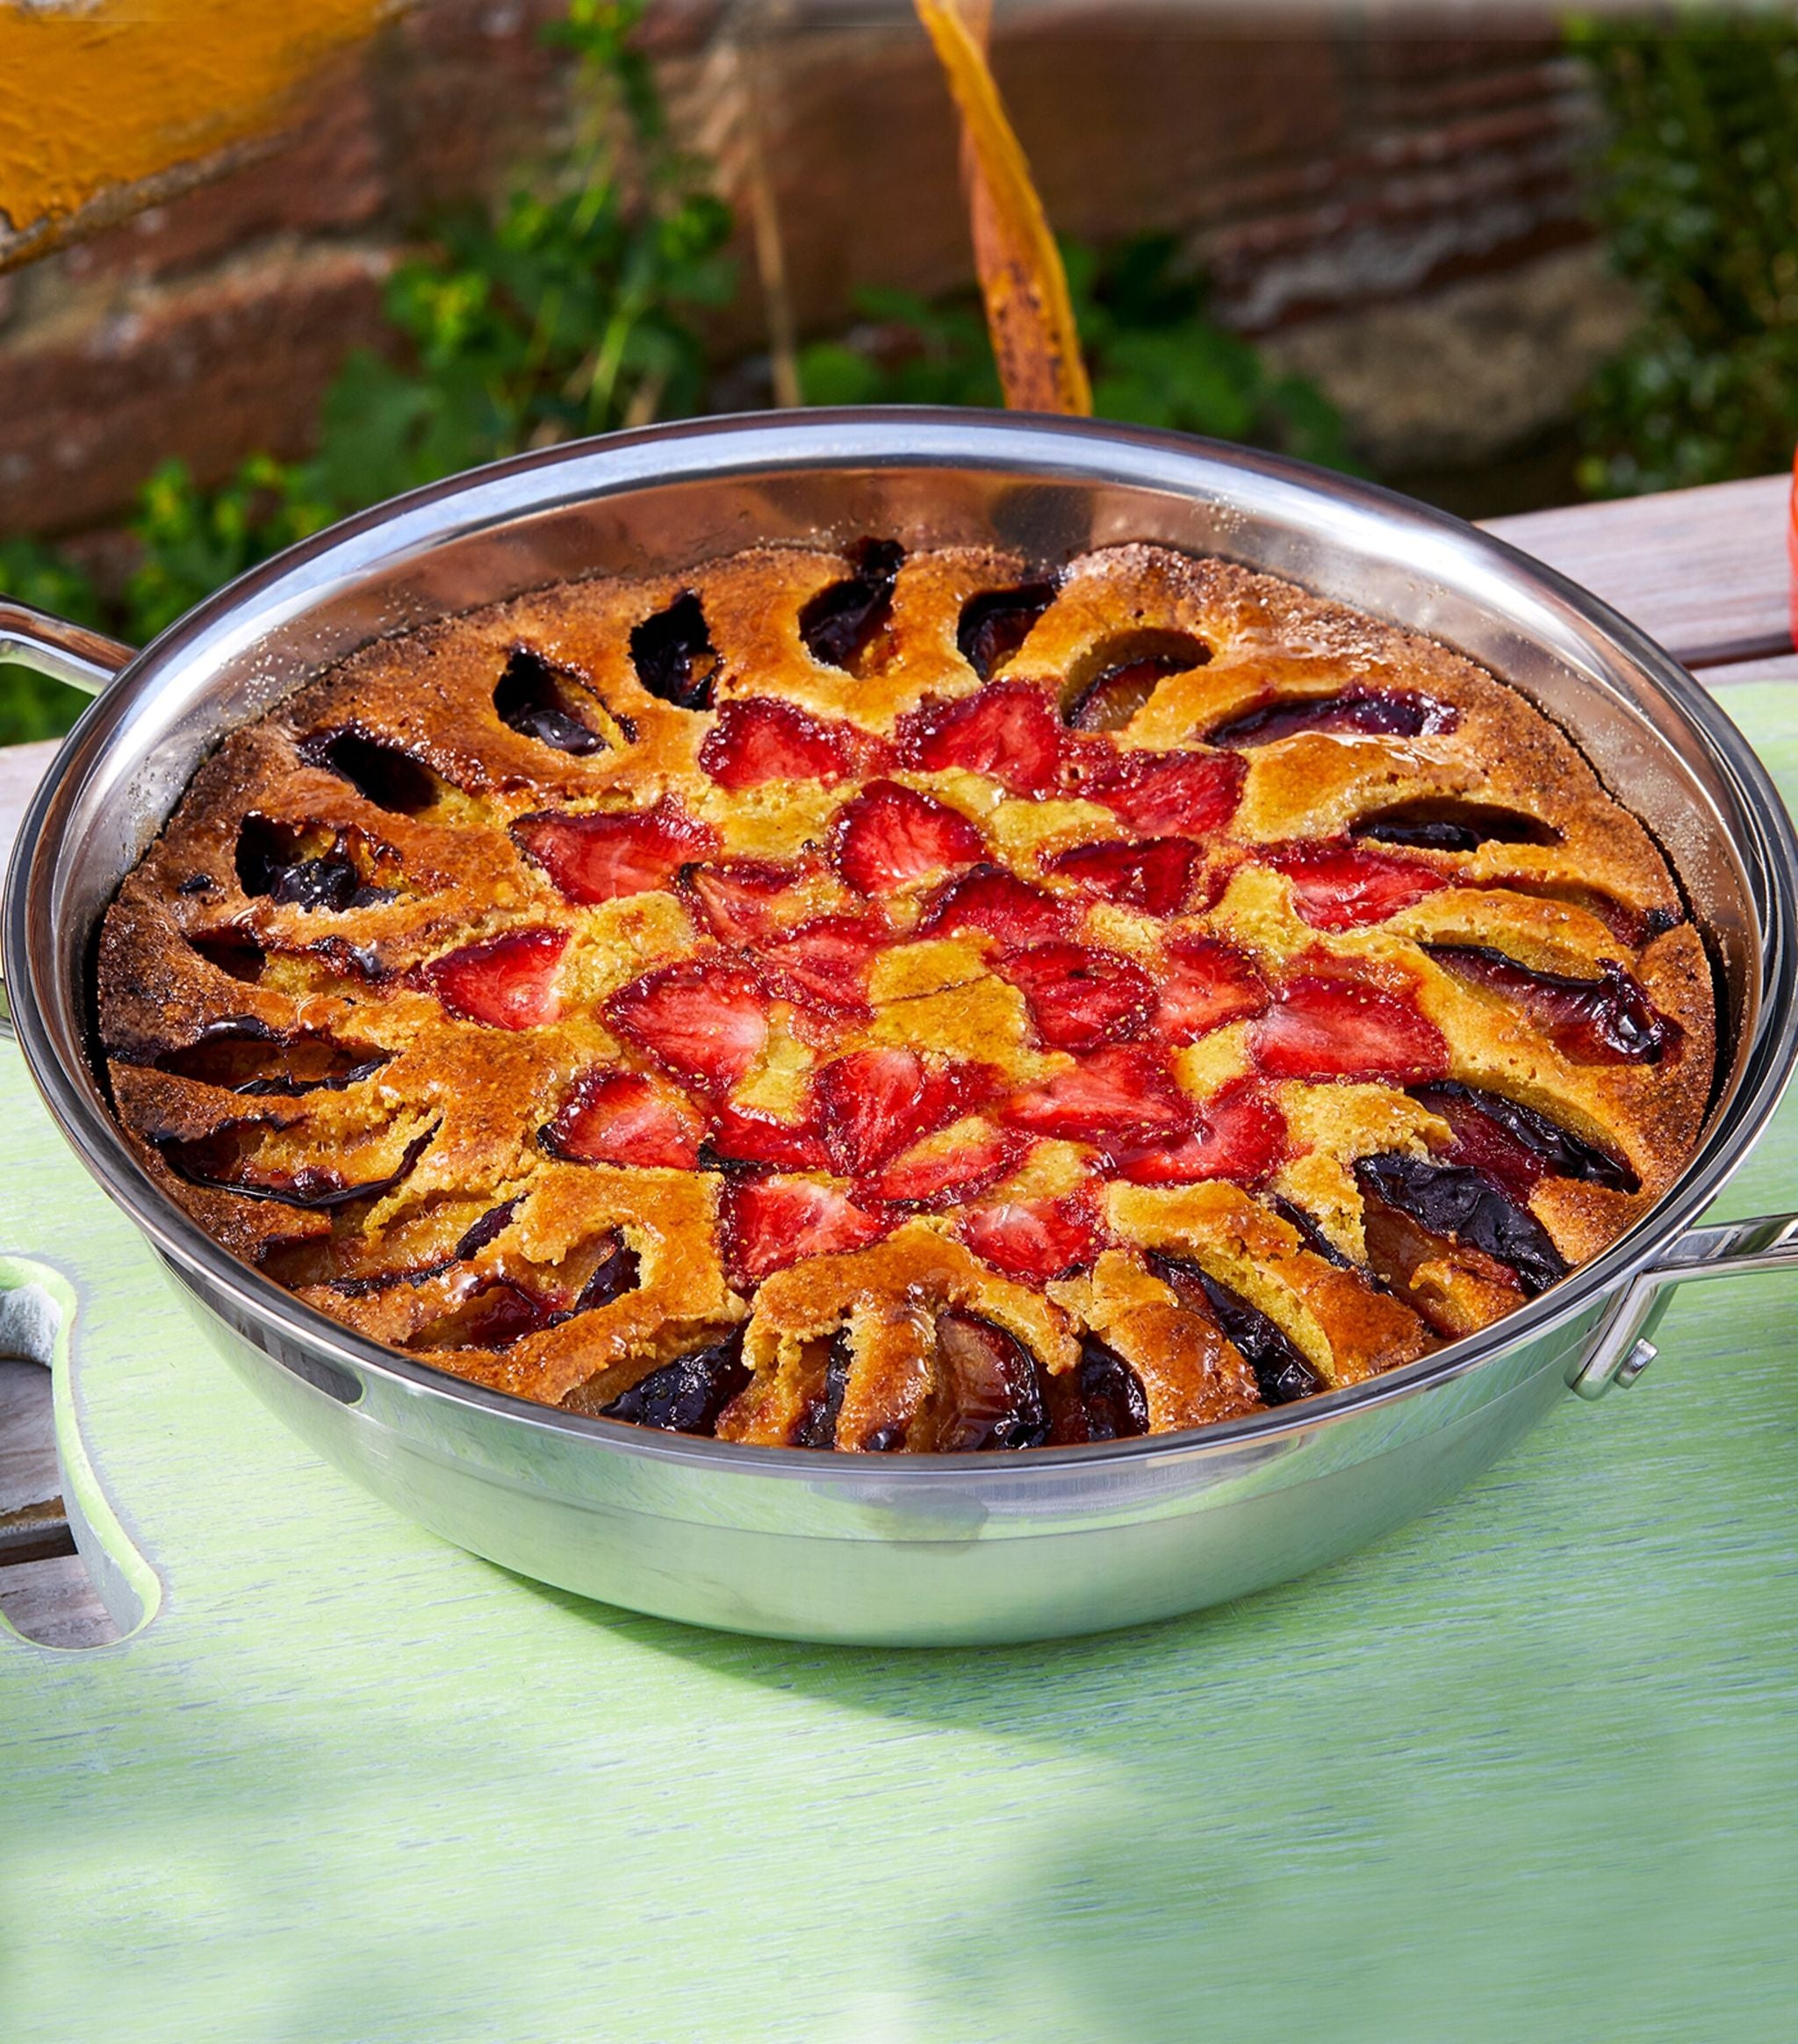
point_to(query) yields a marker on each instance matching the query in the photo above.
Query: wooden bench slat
(1704, 572)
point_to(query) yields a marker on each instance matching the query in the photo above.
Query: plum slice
(995, 624)
(685, 1396)
(1465, 1205)
(1116, 678)
(1281, 1373)
(244, 1056)
(990, 1392)
(817, 1426)
(226, 1162)
(1400, 713)
(673, 654)
(841, 623)
(1516, 1145)
(380, 773)
(1607, 1020)
(538, 701)
(1452, 824)
(1101, 1398)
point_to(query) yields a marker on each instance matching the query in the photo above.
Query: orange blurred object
(1029, 312)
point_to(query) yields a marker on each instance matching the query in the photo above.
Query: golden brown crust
(1390, 852)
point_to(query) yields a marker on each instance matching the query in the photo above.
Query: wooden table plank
(1704, 572)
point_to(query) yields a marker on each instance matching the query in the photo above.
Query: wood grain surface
(1525, 1769)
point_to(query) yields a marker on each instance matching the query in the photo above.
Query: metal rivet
(1634, 1364)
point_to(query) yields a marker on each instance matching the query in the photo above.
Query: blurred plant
(1156, 359)
(1699, 204)
(569, 313)
(566, 313)
(29, 706)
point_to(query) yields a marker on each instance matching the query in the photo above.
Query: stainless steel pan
(930, 1548)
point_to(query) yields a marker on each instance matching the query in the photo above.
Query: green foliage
(570, 313)
(1699, 204)
(1157, 360)
(32, 705)
(567, 314)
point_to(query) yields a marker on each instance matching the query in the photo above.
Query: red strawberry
(1194, 794)
(739, 898)
(945, 1176)
(1322, 1028)
(507, 982)
(1238, 1135)
(826, 960)
(874, 1104)
(1081, 998)
(1339, 887)
(1153, 876)
(1204, 984)
(624, 1118)
(989, 899)
(741, 1136)
(1120, 1092)
(1007, 730)
(891, 834)
(601, 854)
(759, 738)
(1036, 1239)
(703, 1020)
(772, 1222)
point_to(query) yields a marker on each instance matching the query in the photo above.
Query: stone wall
(1396, 213)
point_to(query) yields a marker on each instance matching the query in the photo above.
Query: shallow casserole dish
(918, 1549)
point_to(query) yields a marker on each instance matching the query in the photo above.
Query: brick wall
(1324, 172)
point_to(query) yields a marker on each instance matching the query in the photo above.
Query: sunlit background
(1492, 255)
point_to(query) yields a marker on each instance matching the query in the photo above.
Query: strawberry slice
(944, 1172)
(1036, 1239)
(1340, 887)
(1153, 876)
(826, 960)
(705, 1021)
(624, 1118)
(772, 1222)
(989, 899)
(1204, 984)
(759, 738)
(1238, 1134)
(890, 835)
(1321, 1028)
(739, 1135)
(601, 854)
(1080, 998)
(507, 982)
(1007, 730)
(1194, 794)
(1122, 1092)
(874, 1104)
(739, 898)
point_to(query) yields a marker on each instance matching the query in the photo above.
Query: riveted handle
(87, 661)
(1728, 1249)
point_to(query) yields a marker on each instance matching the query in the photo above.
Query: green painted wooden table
(1529, 1768)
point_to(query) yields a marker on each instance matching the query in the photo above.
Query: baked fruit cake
(875, 1001)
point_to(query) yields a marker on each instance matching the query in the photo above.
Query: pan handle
(87, 661)
(1726, 1249)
